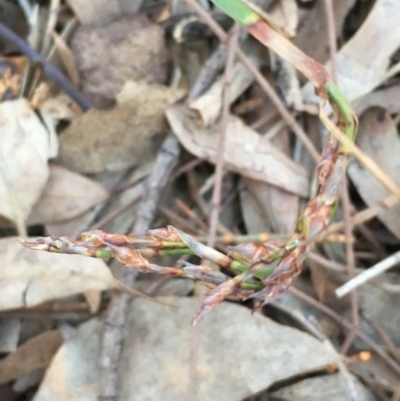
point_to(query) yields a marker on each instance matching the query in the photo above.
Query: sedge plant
(257, 270)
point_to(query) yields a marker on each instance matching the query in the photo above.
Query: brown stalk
(348, 227)
(216, 196)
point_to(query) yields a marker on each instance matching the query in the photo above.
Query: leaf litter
(120, 73)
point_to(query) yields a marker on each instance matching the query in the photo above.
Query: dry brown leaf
(382, 308)
(25, 147)
(67, 57)
(386, 98)
(66, 196)
(10, 76)
(9, 334)
(207, 108)
(312, 35)
(93, 298)
(254, 216)
(73, 227)
(60, 107)
(378, 138)
(124, 221)
(227, 346)
(279, 207)
(136, 50)
(125, 136)
(328, 388)
(285, 15)
(245, 151)
(35, 354)
(29, 278)
(363, 61)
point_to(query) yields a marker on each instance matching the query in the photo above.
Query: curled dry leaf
(34, 354)
(66, 196)
(136, 51)
(245, 151)
(379, 303)
(26, 144)
(123, 137)
(226, 343)
(207, 108)
(378, 138)
(275, 208)
(312, 35)
(285, 16)
(362, 67)
(30, 278)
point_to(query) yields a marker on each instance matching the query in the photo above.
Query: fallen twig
(368, 274)
(115, 319)
(50, 70)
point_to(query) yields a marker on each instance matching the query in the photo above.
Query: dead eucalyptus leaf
(226, 343)
(312, 35)
(122, 137)
(66, 196)
(378, 138)
(246, 152)
(29, 278)
(25, 147)
(34, 354)
(9, 334)
(386, 98)
(363, 61)
(285, 16)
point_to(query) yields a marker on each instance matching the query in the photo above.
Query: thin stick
(361, 217)
(330, 264)
(115, 319)
(348, 227)
(216, 199)
(50, 70)
(219, 169)
(351, 269)
(343, 322)
(369, 274)
(330, 23)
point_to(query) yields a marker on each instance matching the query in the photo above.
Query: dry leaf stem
(50, 70)
(219, 168)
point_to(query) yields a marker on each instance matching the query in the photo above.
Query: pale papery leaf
(66, 196)
(26, 144)
(246, 152)
(362, 66)
(30, 278)
(378, 137)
